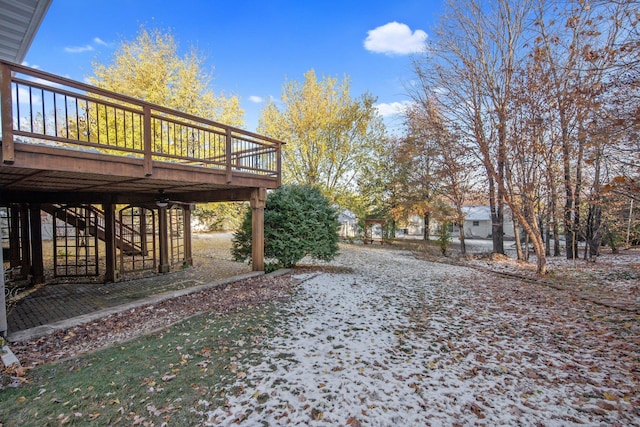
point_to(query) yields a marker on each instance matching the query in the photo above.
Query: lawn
(377, 337)
(171, 376)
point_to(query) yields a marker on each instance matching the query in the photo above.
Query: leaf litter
(379, 337)
(402, 341)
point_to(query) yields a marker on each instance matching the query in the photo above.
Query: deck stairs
(128, 239)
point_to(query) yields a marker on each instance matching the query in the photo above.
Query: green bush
(298, 221)
(443, 236)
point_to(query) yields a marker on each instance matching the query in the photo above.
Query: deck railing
(41, 108)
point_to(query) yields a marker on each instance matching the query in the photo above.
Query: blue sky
(253, 47)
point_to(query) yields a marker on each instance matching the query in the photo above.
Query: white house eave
(19, 23)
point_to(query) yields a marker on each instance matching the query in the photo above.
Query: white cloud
(34, 66)
(78, 49)
(256, 99)
(393, 108)
(98, 40)
(26, 97)
(395, 38)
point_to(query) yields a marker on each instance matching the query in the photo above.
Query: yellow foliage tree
(150, 68)
(331, 137)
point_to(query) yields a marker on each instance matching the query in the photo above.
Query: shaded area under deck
(105, 165)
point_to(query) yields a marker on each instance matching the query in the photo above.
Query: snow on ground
(608, 278)
(401, 341)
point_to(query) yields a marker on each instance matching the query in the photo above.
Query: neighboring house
(415, 225)
(477, 224)
(348, 224)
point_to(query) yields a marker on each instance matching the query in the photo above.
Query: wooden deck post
(163, 240)
(146, 130)
(188, 252)
(25, 264)
(35, 223)
(14, 237)
(258, 199)
(279, 165)
(3, 302)
(110, 241)
(228, 150)
(6, 110)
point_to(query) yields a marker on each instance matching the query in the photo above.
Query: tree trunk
(553, 209)
(496, 218)
(576, 217)
(541, 264)
(534, 236)
(516, 234)
(425, 225)
(569, 205)
(594, 220)
(463, 248)
(547, 241)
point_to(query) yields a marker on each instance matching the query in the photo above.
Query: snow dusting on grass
(402, 341)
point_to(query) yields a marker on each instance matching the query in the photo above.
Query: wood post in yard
(188, 251)
(110, 241)
(258, 199)
(3, 302)
(25, 262)
(35, 223)
(14, 237)
(163, 240)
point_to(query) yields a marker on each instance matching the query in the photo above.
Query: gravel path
(402, 341)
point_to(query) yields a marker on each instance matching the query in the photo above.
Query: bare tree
(470, 67)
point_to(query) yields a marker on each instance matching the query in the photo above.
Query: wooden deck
(67, 142)
(71, 146)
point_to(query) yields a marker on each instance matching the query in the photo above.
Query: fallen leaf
(316, 415)
(609, 396)
(168, 377)
(353, 422)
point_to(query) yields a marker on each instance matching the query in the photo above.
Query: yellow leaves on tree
(330, 135)
(150, 68)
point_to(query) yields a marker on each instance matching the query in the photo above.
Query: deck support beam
(14, 237)
(163, 240)
(25, 262)
(258, 199)
(188, 251)
(35, 223)
(110, 241)
(3, 302)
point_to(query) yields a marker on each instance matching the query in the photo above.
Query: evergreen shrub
(298, 221)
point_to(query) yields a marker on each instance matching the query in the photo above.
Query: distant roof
(19, 23)
(477, 213)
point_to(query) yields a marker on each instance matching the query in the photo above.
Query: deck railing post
(279, 164)
(6, 110)
(148, 160)
(228, 156)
